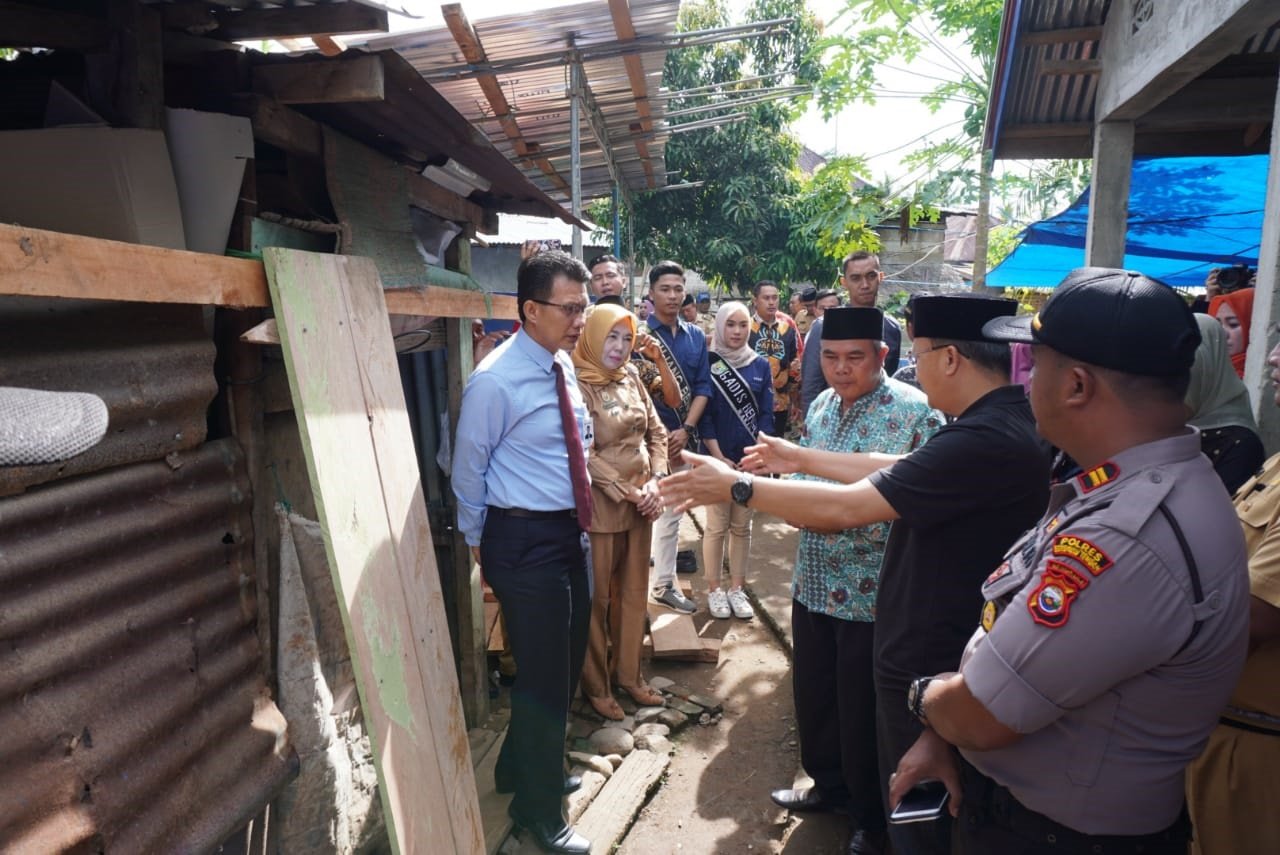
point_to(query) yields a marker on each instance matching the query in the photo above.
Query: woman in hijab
(626, 456)
(1234, 311)
(741, 407)
(1218, 404)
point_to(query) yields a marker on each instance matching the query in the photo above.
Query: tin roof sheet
(537, 87)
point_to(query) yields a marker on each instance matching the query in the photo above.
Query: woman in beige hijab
(626, 457)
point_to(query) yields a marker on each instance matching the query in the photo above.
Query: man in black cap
(834, 590)
(689, 310)
(957, 504)
(804, 313)
(1114, 630)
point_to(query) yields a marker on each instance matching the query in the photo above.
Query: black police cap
(852, 322)
(959, 317)
(688, 300)
(1117, 319)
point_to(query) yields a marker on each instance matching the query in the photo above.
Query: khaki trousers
(732, 521)
(620, 562)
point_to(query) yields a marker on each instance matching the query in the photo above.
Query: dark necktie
(577, 458)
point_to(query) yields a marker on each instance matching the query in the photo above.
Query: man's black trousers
(836, 711)
(538, 571)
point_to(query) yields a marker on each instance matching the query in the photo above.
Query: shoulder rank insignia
(1050, 602)
(1098, 476)
(1082, 552)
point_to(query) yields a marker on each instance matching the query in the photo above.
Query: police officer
(957, 503)
(1113, 631)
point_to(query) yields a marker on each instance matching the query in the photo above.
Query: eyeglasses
(916, 354)
(571, 310)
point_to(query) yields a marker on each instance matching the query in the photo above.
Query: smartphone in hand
(923, 802)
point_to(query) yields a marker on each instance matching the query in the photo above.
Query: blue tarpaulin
(1187, 215)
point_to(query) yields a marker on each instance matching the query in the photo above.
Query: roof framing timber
(623, 26)
(469, 43)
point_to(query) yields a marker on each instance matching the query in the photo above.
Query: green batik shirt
(837, 574)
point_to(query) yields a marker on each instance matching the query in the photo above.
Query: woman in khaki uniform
(626, 457)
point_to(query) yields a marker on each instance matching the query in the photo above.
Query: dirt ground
(715, 798)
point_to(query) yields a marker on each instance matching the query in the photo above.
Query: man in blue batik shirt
(836, 576)
(516, 509)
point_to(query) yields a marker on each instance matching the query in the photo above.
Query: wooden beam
(1065, 35)
(281, 126)
(469, 43)
(1069, 67)
(443, 202)
(434, 301)
(323, 81)
(620, 10)
(136, 71)
(1215, 102)
(38, 263)
(329, 19)
(26, 26)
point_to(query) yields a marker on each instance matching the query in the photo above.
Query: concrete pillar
(1109, 194)
(1266, 307)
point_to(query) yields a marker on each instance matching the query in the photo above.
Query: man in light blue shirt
(516, 509)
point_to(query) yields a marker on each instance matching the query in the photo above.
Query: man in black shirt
(957, 503)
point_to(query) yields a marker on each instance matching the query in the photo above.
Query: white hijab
(739, 357)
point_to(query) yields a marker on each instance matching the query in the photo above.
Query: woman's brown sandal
(645, 696)
(607, 708)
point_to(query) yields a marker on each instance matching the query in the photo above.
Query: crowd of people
(1037, 592)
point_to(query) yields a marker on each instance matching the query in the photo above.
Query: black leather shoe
(554, 836)
(810, 799)
(865, 843)
(503, 786)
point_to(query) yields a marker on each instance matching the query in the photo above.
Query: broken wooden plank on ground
(673, 633)
(612, 812)
(345, 384)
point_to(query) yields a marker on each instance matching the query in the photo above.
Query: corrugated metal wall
(133, 712)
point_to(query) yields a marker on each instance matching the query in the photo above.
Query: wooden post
(1109, 194)
(136, 84)
(473, 678)
(1266, 306)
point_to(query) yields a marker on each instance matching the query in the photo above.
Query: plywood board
(345, 385)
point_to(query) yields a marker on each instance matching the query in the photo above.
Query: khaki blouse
(629, 447)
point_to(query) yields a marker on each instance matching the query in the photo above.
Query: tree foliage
(737, 226)
(875, 33)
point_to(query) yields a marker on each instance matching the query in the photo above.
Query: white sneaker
(740, 604)
(718, 604)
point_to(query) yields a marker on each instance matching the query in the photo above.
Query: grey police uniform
(1111, 638)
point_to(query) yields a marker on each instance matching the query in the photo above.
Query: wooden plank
(1063, 35)
(350, 406)
(443, 202)
(325, 81)
(39, 263)
(330, 19)
(607, 820)
(620, 11)
(281, 126)
(673, 633)
(451, 303)
(493, 805)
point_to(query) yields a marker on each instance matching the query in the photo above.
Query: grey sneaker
(672, 598)
(718, 604)
(740, 604)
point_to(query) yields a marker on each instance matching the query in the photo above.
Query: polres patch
(1082, 552)
(1050, 602)
(989, 614)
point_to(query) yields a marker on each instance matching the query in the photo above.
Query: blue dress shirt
(510, 450)
(689, 345)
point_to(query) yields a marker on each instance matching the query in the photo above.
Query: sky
(882, 132)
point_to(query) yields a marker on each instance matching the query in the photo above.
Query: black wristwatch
(742, 488)
(915, 697)
(692, 430)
